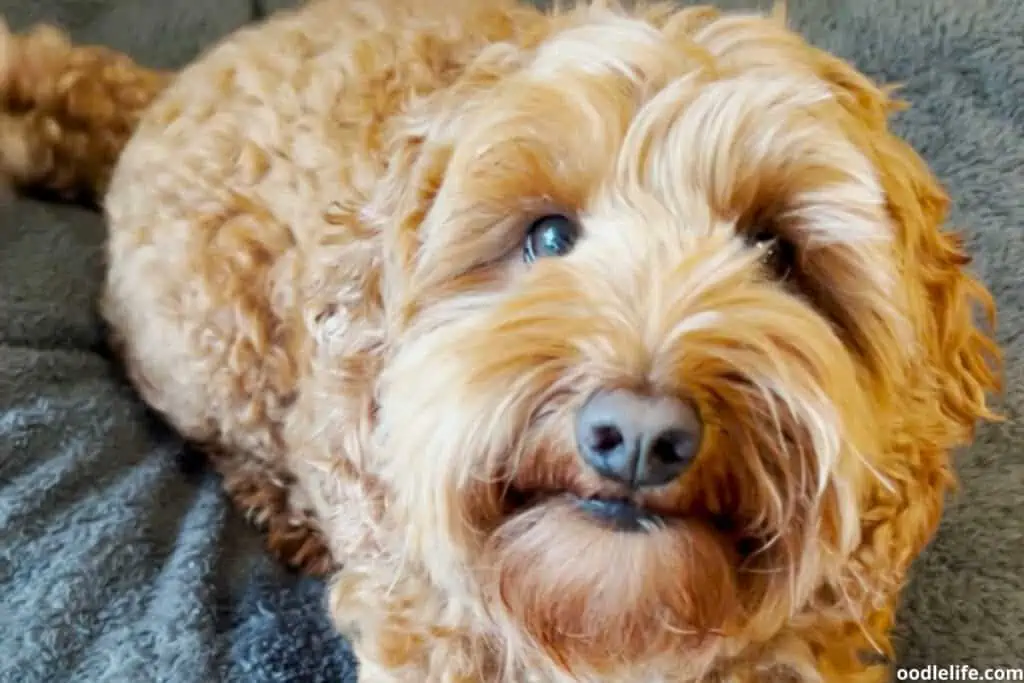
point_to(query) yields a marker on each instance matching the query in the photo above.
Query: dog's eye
(552, 235)
(777, 253)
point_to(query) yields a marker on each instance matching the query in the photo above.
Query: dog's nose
(637, 440)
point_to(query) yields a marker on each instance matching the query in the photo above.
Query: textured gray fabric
(119, 560)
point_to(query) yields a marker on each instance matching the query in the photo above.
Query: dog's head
(666, 297)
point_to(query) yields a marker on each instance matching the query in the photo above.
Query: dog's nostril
(636, 439)
(672, 446)
(605, 438)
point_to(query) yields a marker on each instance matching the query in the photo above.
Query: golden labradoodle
(600, 344)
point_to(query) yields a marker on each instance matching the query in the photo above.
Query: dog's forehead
(697, 142)
(606, 44)
(614, 99)
(642, 52)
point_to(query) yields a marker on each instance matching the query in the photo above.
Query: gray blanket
(119, 559)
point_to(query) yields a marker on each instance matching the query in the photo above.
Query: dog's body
(315, 273)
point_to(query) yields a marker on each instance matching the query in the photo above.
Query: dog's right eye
(552, 235)
(777, 252)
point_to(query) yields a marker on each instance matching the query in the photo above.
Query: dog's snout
(641, 441)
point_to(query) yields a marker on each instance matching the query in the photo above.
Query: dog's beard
(585, 593)
(488, 489)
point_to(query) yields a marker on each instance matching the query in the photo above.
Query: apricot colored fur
(315, 275)
(67, 111)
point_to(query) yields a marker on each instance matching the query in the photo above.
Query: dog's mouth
(613, 512)
(619, 515)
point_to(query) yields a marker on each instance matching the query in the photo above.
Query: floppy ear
(418, 147)
(952, 311)
(954, 364)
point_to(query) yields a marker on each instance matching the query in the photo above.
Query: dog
(593, 344)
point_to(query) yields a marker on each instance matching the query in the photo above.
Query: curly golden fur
(316, 272)
(66, 112)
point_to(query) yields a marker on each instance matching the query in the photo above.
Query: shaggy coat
(317, 272)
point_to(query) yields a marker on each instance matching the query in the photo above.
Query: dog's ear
(417, 162)
(417, 149)
(953, 313)
(951, 363)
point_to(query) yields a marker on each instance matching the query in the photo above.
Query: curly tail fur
(66, 112)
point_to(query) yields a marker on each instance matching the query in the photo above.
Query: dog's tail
(66, 112)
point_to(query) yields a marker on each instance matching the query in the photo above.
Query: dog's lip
(619, 514)
(615, 512)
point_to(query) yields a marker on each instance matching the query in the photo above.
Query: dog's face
(654, 334)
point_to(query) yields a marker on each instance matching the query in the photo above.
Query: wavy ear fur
(952, 312)
(956, 363)
(419, 147)
(963, 358)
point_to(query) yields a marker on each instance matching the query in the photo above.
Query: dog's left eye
(777, 253)
(553, 235)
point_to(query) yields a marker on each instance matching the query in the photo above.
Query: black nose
(635, 439)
